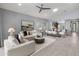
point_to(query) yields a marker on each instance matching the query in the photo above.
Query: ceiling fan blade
(46, 8)
(42, 8)
(38, 7)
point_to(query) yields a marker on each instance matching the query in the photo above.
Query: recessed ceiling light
(19, 4)
(55, 10)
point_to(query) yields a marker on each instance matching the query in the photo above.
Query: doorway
(75, 26)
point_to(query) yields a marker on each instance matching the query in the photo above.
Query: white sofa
(53, 33)
(24, 49)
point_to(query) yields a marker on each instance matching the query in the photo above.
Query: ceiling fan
(42, 8)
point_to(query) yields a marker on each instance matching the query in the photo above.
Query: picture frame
(27, 25)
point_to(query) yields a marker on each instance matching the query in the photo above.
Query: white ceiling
(31, 9)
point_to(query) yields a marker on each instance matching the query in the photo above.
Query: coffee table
(39, 40)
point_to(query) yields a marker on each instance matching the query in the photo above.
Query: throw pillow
(25, 33)
(17, 37)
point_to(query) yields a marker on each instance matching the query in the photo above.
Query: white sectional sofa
(24, 49)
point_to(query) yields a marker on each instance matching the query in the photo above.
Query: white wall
(69, 15)
(73, 15)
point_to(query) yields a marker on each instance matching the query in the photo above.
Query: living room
(39, 29)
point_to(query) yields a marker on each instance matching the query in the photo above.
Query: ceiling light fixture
(19, 4)
(55, 10)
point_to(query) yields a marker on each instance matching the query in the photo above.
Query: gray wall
(14, 19)
(0, 25)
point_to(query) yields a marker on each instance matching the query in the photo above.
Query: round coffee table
(39, 40)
